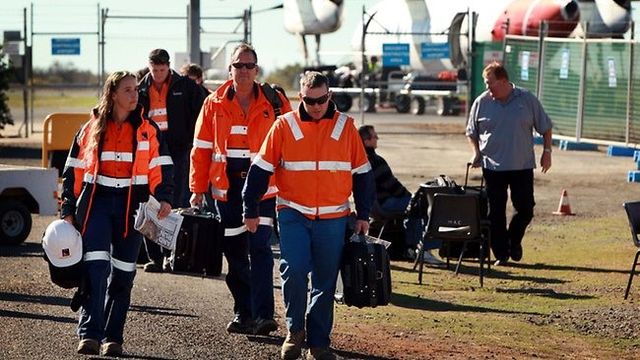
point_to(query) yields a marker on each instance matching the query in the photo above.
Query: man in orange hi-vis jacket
(318, 160)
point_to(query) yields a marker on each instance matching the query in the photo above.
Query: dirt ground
(417, 149)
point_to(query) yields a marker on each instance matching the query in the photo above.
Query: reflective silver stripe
(299, 165)
(162, 125)
(253, 156)
(263, 164)
(235, 231)
(112, 182)
(238, 130)
(160, 160)
(262, 220)
(293, 125)
(143, 145)
(202, 144)
(322, 210)
(334, 165)
(140, 180)
(218, 192)
(73, 162)
(272, 190)
(116, 156)
(366, 167)
(123, 265)
(88, 178)
(156, 112)
(303, 209)
(333, 209)
(96, 255)
(238, 153)
(217, 157)
(337, 129)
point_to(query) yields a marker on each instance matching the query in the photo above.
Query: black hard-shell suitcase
(199, 244)
(366, 274)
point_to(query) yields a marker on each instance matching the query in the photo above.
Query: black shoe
(516, 252)
(240, 326)
(264, 326)
(152, 267)
(501, 262)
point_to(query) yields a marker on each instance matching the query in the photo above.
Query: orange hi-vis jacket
(219, 126)
(313, 162)
(151, 170)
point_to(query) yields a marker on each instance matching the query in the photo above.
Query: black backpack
(272, 96)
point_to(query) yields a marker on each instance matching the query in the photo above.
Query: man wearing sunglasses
(318, 160)
(232, 124)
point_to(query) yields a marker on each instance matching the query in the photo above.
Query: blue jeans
(413, 226)
(310, 246)
(250, 259)
(109, 267)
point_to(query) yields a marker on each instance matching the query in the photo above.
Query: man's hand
(545, 161)
(197, 199)
(476, 160)
(252, 224)
(361, 227)
(165, 209)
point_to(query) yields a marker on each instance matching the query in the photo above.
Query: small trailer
(25, 190)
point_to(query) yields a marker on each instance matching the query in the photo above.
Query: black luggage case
(366, 274)
(199, 244)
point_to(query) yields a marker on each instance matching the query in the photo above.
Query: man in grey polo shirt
(500, 132)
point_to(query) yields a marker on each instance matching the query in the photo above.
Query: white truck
(25, 190)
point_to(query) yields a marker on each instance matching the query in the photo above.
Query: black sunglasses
(313, 101)
(240, 65)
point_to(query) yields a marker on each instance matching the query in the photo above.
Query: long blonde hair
(105, 106)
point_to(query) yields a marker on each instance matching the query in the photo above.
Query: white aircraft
(439, 21)
(312, 17)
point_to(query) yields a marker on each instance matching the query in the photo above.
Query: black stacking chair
(633, 214)
(456, 218)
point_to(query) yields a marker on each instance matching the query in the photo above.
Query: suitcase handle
(466, 177)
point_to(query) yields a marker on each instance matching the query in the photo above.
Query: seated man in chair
(392, 197)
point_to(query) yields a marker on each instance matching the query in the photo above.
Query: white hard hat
(62, 244)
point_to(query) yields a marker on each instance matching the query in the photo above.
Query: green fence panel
(521, 60)
(634, 126)
(559, 91)
(605, 94)
(484, 53)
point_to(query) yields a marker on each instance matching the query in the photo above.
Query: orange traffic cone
(564, 208)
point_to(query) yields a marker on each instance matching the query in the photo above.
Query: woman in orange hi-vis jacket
(116, 161)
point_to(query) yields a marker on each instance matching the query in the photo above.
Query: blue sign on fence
(395, 54)
(65, 46)
(433, 51)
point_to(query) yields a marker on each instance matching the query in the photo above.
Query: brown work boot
(292, 346)
(112, 349)
(320, 353)
(89, 347)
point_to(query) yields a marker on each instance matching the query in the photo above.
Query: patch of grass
(570, 264)
(61, 99)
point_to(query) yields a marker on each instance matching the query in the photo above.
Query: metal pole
(25, 68)
(471, 37)
(581, 89)
(504, 42)
(193, 31)
(630, 85)
(102, 43)
(29, 55)
(542, 29)
(363, 73)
